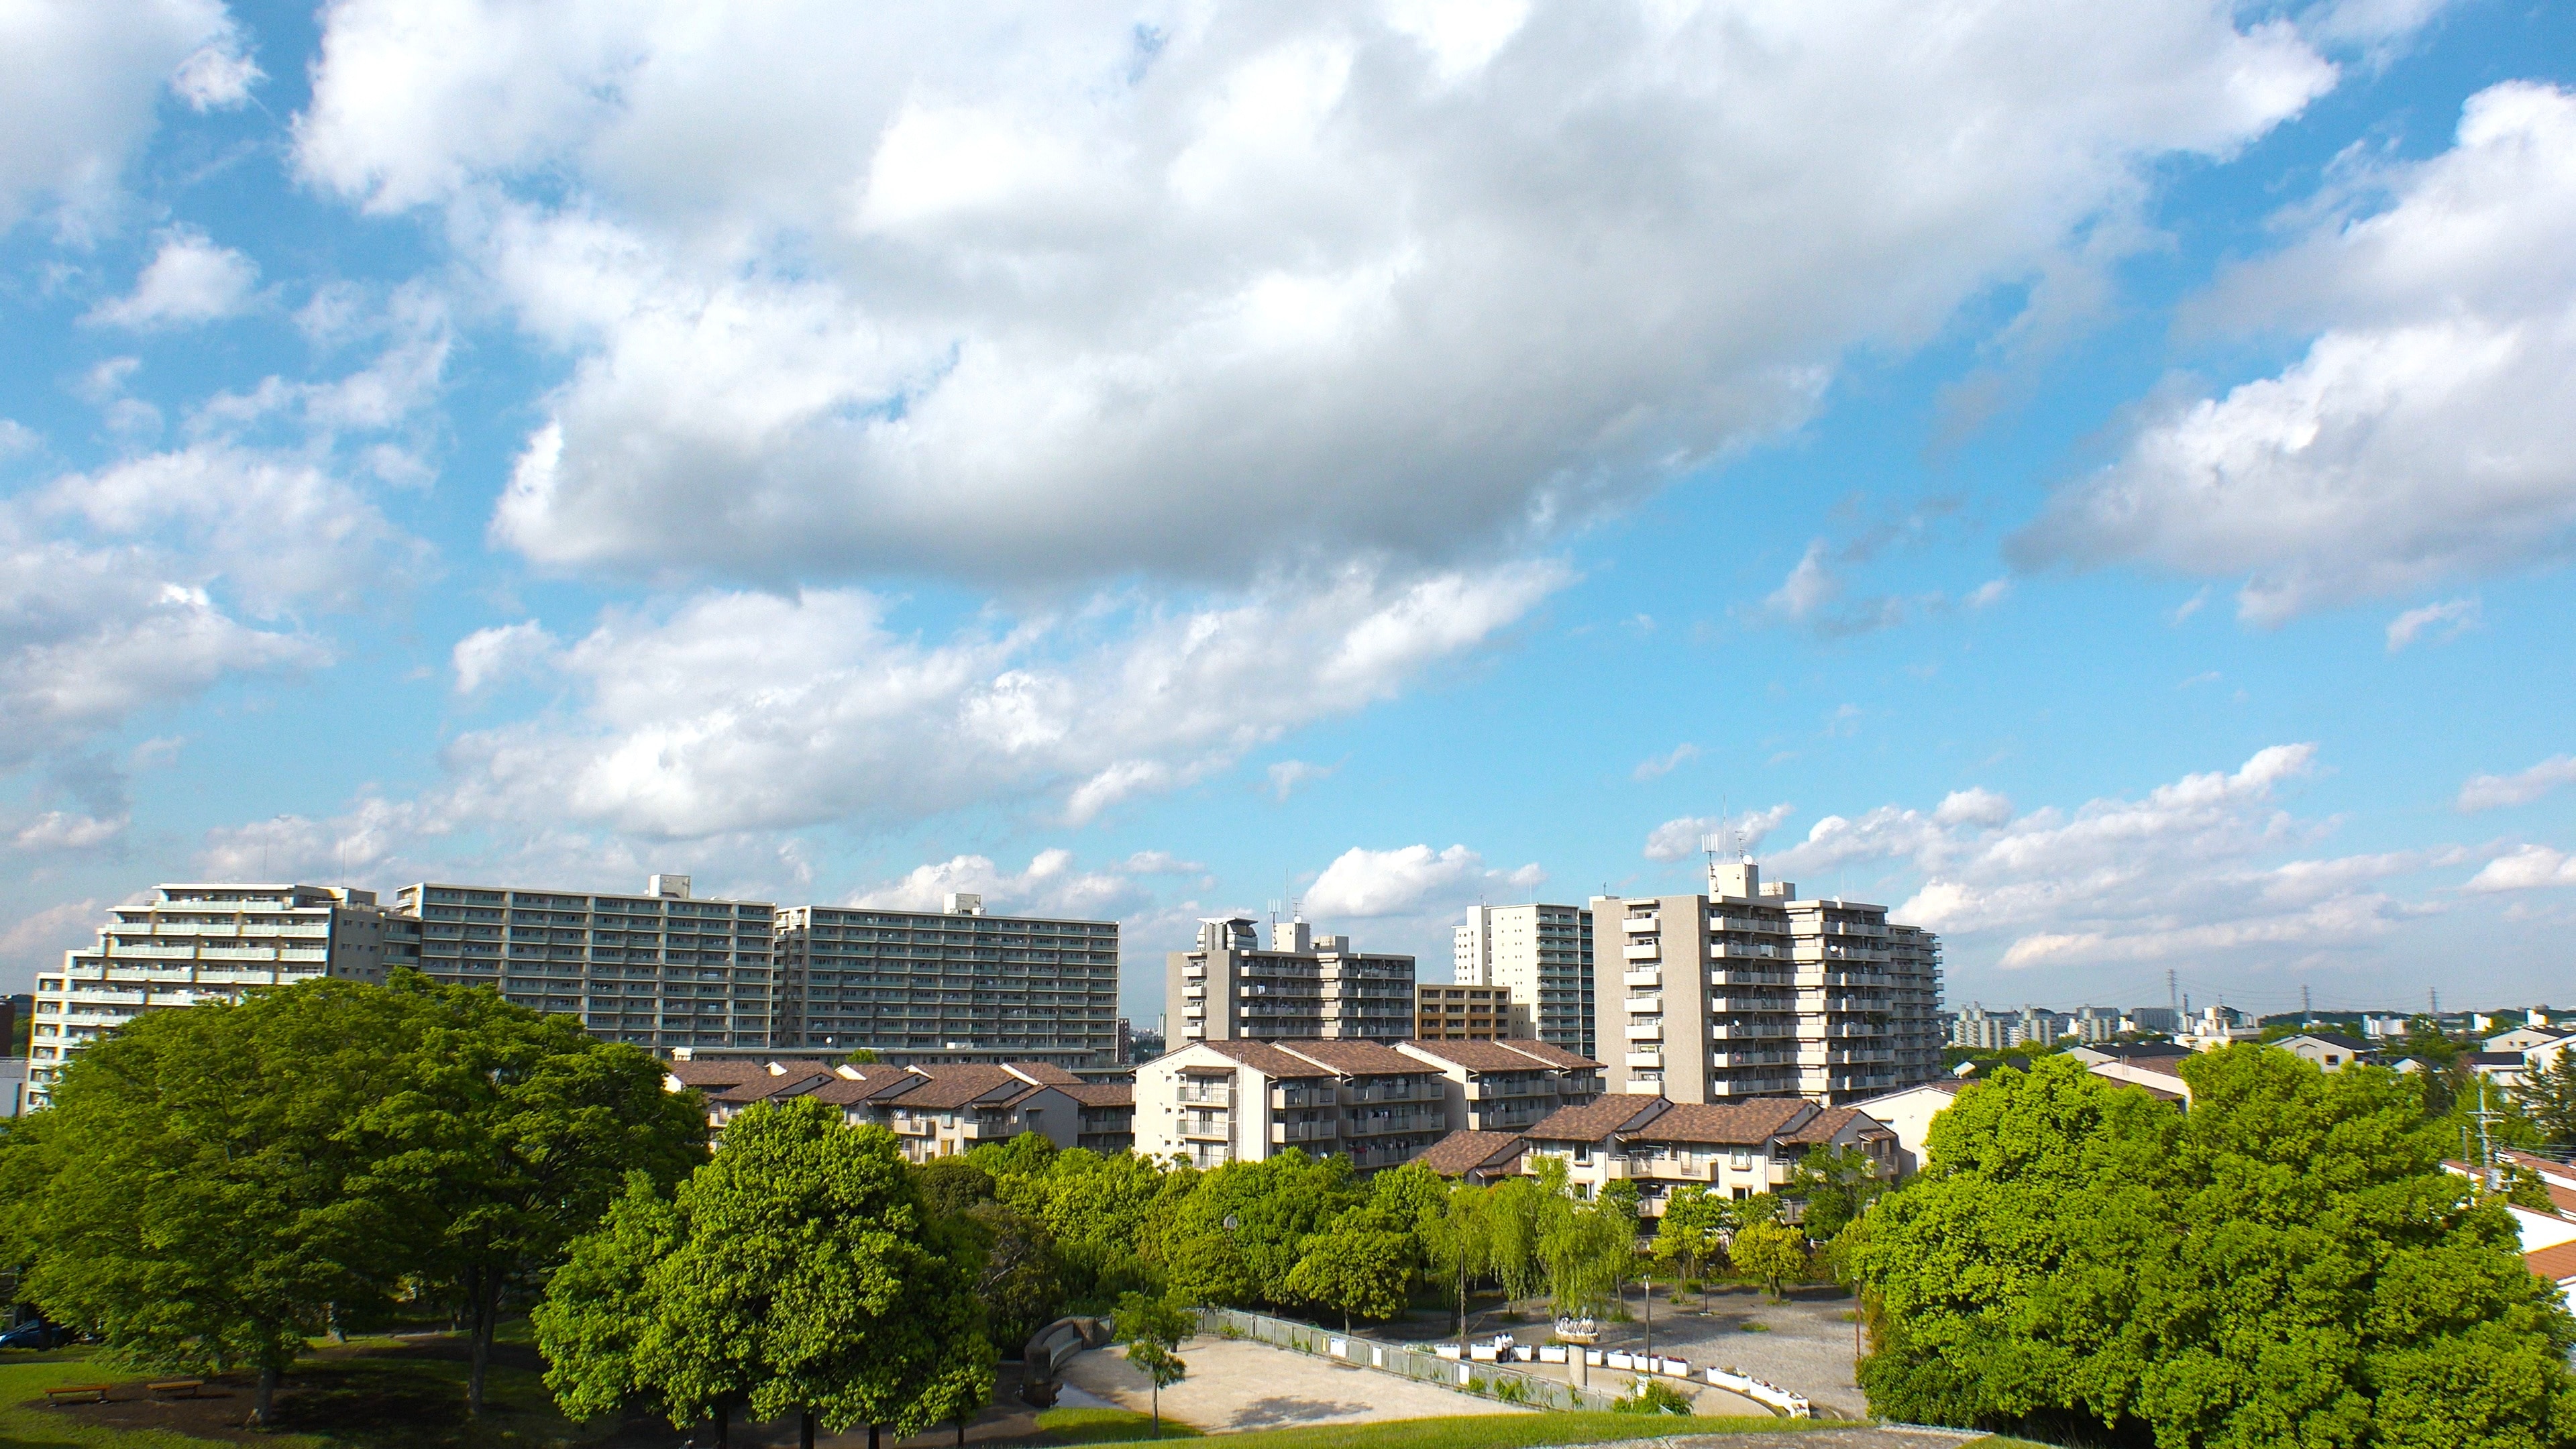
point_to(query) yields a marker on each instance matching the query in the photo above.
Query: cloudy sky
(2095, 478)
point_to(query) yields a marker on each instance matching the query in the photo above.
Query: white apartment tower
(1542, 955)
(1304, 987)
(1749, 991)
(193, 943)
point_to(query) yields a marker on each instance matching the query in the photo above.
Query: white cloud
(1662, 765)
(510, 651)
(2416, 440)
(217, 76)
(2493, 792)
(1050, 886)
(39, 938)
(745, 711)
(1410, 880)
(1289, 776)
(1989, 593)
(58, 831)
(2531, 867)
(2460, 614)
(78, 84)
(189, 280)
(1687, 836)
(1061, 295)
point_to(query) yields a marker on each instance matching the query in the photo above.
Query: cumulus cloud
(1411, 880)
(1050, 886)
(189, 280)
(2191, 869)
(1289, 776)
(60, 831)
(78, 84)
(2414, 442)
(740, 711)
(217, 76)
(509, 651)
(1046, 296)
(2530, 867)
(1688, 836)
(2494, 792)
(1662, 765)
(39, 938)
(2406, 628)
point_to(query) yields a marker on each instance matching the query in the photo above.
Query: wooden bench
(176, 1388)
(96, 1393)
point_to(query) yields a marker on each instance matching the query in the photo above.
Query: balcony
(1653, 1058)
(1202, 1125)
(1646, 1005)
(1642, 925)
(1287, 1132)
(1644, 1031)
(1642, 951)
(1644, 976)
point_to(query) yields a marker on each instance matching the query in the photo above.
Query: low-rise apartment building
(1505, 1086)
(1542, 956)
(933, 1111)
(1305, 987)
(663, 969)
(1466, 1013)
(193, 943)
(1732, 1149)
(1749, 992)
(954, 985)
(1214, 1102)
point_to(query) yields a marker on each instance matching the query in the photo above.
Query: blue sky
(2094, 478)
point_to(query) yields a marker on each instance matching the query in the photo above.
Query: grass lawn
(1106, 1426)
(1507, 1431)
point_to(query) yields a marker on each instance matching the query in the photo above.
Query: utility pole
(2173, 993)
(2307, 1013)
(2486, 1146)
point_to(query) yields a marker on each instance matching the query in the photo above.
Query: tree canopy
(2286, 1263)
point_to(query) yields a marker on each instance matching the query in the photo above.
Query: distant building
(2214, 1027)
(1213, 1102)
(933, 1111)
(1731, 1149)
(2152, 1020)
(193, 943)
(17, 1012)
(1504, 1086)
(1303, 987)
(1541, 955)
(955, 985)
(2331, 1050)
(1467, 1013)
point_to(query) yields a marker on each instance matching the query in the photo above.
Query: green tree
(1242, 1232)
(1359, 1265)
(509, 1135)
(1458, 1242)
(2286, 1263)
(952, 1184)
(799, 1272)
(1691, 1232)
(2548, 1098)
(1772, 1252)
(1021, 1281)
(1587, 1248)
(1152, 1329)
(188, 1193)
(1837, 1184)
(1514, 1212)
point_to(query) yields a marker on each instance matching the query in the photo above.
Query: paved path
(1239, 1384)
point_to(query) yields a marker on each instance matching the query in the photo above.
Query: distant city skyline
(2092, 485)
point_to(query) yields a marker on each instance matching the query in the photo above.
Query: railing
(1421, 1363)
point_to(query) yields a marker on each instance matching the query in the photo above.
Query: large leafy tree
(189, 1194)
(1691, 1232)
(1457, 1239)
(1241, 1233)
(2285, 1264)
(1837, 1184)
(797, 1272)
(508, 1136)
(1772, 1252)
(1359, 1265)
(2548, 1100)
(1153, 1329)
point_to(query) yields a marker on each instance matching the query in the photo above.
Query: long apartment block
(1505, 1086)
(933, 1111)
(1541, 957)
(953, 985)
(1217, 1102)
(661, 969)
(1305, 987)
(1749, 991)
(193, 943)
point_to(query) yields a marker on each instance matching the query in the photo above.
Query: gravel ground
(1239, 1384)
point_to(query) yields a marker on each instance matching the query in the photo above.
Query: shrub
(1652, 1396)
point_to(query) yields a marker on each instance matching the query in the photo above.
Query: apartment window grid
(920, 980)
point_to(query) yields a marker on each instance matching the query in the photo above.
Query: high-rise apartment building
(1542, 955)
(1304, 986)
(955, 985)
(1466, 1013)
(661, 969)
(1748, 991)
(193, 943)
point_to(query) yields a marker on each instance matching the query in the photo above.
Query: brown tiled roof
(1597, 1118)
(850, 1091)
(1549, 1054)
(1826, 1124)
(1105, 1094)
(761, 1088)
(1053, 1076)
(1747, 1123)
(1477, 1056)
(793, 1067)
(715, 1074)
(1353, 1058)
(1266, 1059)
(1463, 1151)
(2556, 1264)
(947, 1088)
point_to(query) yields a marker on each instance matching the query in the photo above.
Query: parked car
(34, 1333)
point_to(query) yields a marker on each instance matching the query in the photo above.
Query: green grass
(1107, 1426)
(25, 1376)
(1508, 1431)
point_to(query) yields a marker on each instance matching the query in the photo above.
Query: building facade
(662, 969)
(933, 1111)
(193, 943)
(1466, 1013)
(1505, 1086)
(955, 985)
(1215, 1102)
(1304, 987)
(1542, 955)
(1730, 1149)
(1749, 991)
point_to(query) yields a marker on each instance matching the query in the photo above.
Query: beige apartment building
(1733, 1149)
(933, 1111)
(1215, 1102)
(1749, 991)
(1466, 1013)
(1305, 987)
(193, 943)
(1542, 956)
(1505, 1086)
